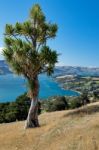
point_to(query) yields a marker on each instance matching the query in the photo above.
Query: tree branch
(27, 40)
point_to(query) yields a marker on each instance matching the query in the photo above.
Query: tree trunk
(32, 119)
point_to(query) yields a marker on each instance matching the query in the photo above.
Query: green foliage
(18, 110)
(10, 116)
(56, 104)
(37, 16)
(96, 94)
(84, 98)
(13, 111)
(9, 29)
(26, 51)
(81, 100)
(63, 103)
(75, 103)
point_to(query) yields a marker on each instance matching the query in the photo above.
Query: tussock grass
(85, 110)
(64, 130)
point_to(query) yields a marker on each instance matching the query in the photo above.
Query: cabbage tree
(28, 54)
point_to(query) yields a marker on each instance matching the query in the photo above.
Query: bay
(12, 86)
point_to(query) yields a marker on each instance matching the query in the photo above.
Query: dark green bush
(22, 104)
(14, 110)
(18, 110)
(84, 98)
(75, 103)
(10, 116)
(56, 104)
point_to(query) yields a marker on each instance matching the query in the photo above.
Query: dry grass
(59, 131)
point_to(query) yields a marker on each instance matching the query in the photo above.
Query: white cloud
(1, 55)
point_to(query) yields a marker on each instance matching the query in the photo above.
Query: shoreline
(67, 89)
(55, 80)
(71, 90)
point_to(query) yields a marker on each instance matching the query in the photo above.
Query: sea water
(11, 86)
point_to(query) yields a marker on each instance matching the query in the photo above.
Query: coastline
(65, 88)
(55, 80)
(71, 90)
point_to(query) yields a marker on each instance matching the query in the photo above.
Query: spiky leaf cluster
(26, 48)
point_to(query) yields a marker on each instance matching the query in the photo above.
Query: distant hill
(4, 69)
(80, 71)
(60, 70)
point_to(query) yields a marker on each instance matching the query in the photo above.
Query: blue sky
(78, 21)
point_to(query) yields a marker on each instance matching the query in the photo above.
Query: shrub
(84, 98)
(18, 110)
(10, 116)
(57, 104)
(75, 103)
(22, 104)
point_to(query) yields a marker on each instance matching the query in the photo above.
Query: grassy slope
(65, 130)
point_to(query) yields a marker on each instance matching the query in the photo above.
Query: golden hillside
(65, 130)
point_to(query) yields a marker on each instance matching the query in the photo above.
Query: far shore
(73, 90)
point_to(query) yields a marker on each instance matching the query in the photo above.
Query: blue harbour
(12, 86)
